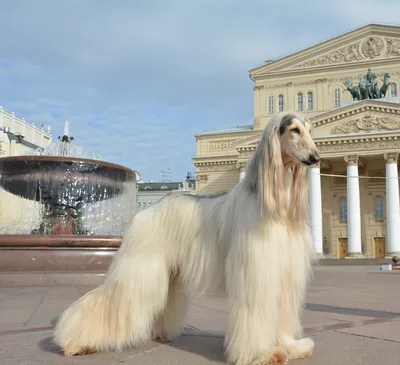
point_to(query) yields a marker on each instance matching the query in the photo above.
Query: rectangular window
(300, 101)
(337, 97)
(310, 100)
(378, 207)
(343, 209)
(280, 101)
(393, 90)
(271, 105)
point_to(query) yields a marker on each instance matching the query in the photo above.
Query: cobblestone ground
(352, 313)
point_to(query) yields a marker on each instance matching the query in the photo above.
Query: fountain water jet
(76, 200)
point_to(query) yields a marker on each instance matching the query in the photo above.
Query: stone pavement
(353, 314)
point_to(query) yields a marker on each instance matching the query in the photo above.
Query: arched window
(310, 100)
(280, 102)
(343, 209)
(337, 97)
(271, 105)
(393, 90)
(164, 187)
(378, 207)
(300, 101)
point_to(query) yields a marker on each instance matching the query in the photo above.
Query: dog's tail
(120, 312)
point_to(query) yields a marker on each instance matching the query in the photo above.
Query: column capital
(391, 157)
(351, 160)
(241, 165)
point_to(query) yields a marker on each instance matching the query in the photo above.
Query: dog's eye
(295, 130)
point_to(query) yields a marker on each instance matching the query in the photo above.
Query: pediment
(364, 118)
(372, 42)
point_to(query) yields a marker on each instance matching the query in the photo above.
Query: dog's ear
(270, 174)
(298, 212)
(285, 123)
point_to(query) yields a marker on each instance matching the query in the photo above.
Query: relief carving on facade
(343, 55)
(300, 83)
(278, 86)
(367, 124)
(393, 47)
(310, 82)
(358, 146)
(220, 145)
(372, 47)
(202, 178)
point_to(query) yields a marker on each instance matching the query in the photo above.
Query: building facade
(151, 192)
(354, 192)
(17, 136)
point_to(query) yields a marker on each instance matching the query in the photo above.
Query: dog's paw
(300, 349)
(72, 351)
(276, 356)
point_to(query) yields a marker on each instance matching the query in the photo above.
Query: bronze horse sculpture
(368, 87)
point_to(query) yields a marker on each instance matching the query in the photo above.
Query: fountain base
(44, 255)
(63, 222)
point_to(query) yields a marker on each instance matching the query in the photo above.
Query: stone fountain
(68, 209)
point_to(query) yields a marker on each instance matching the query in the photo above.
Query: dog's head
(297, 145)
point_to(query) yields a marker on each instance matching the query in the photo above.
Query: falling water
(64, 149)
(102, 201)
(64, 183)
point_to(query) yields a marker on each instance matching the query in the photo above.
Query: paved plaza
(353, 314)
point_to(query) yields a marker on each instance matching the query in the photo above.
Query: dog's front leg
(253, 274)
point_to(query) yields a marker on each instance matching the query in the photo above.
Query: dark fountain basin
(68, 191)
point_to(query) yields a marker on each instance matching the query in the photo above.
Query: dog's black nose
(314, 158)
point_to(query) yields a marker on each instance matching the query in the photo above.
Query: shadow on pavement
(352, 311)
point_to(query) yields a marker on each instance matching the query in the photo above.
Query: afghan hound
(253, 242)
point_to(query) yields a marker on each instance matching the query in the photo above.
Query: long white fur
(253, 241)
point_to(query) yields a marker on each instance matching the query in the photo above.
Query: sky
(138, 79)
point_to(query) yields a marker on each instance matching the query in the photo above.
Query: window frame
(310, 93)
(300, 97)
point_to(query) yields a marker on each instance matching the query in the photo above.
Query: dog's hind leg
(119, 313)
(169, 323)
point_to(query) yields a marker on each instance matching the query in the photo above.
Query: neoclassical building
(348, 87)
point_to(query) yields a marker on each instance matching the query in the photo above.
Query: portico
(348, 88)
(356, 235)
(355, 200)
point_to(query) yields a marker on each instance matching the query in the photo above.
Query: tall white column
(315, 208)
(392, 205)
(353, 208)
